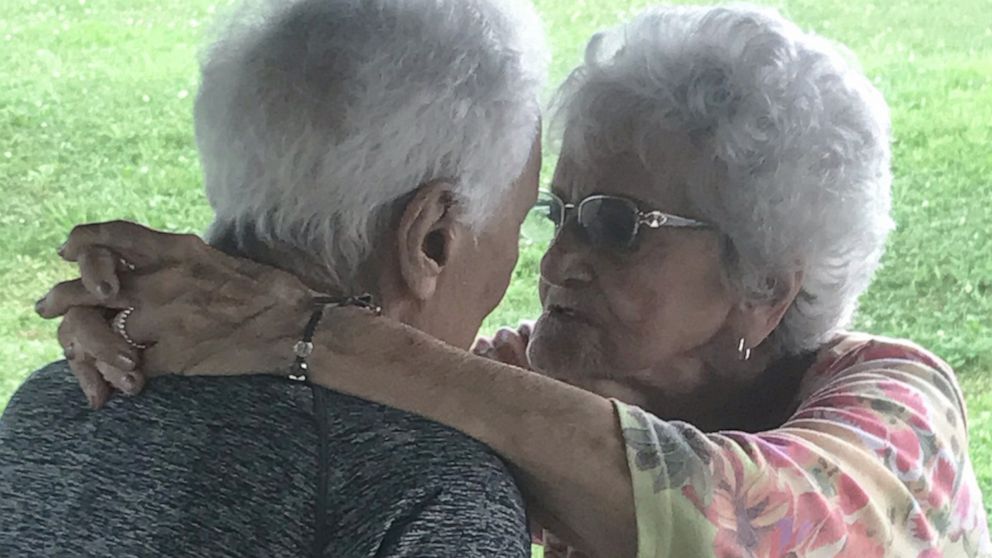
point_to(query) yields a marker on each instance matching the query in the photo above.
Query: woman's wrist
(303, 327)
(267, 342)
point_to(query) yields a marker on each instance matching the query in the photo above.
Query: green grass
(95, 105)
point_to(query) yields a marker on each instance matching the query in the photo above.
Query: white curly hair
(798, 135)
(314, 116)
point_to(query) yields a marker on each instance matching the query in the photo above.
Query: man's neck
(312, 273)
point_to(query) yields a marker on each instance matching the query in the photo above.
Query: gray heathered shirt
(243, 467)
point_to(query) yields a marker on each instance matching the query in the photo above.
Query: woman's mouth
(566, 313)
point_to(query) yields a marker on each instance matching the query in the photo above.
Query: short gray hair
(797, 133)
(313, 116)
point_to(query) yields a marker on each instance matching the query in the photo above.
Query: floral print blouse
(873, 463)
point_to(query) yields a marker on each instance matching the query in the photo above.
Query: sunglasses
(610, 222)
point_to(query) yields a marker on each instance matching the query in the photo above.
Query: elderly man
(363, 146)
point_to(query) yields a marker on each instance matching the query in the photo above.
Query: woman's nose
(566, 263)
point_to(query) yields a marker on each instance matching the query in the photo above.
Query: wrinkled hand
(508, 346)
(196, 309)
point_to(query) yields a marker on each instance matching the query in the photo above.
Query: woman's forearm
(564, 443)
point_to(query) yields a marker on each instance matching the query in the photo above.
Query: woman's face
(613, 314)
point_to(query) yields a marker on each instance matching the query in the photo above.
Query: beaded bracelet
(300, 369)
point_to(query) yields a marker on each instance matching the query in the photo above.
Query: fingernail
(483, 345)
(125, 361)
(70, 352)
(104, 288)
(502, 336)
(39, 306)
(62, 248)
(91, 398)
(131, 384)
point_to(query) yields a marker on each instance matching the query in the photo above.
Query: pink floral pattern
(874, 463)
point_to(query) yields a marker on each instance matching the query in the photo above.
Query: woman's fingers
(67, 294)
(96, 389)
(483, 347)
(525, 330)
(138, 245)
(98, 356)
(554, 547)
(98, 271)
(87, 330)
(129, 382)
(509, 347)
(83, 368)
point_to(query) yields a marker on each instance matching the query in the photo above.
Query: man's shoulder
(50, 401)
(189, 464)
(52, 386)
(52, 395)
(246, 424)
(194, 410)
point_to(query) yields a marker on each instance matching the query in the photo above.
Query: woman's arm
(564, 443)
(873, 463)
(203, 312)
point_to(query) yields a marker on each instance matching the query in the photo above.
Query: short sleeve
(873, 463)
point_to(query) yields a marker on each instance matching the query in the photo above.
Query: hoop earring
(743, 351)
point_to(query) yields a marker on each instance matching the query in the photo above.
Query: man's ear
(759, 319)
(425, 236)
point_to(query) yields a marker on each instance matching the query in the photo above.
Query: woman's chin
(562, 348)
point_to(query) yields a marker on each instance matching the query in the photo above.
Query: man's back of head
(314, 118)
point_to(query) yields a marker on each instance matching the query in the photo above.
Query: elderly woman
(721, 201)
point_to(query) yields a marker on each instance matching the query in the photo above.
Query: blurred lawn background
(95, 124)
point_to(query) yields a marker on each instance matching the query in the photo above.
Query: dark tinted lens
(609, 222)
